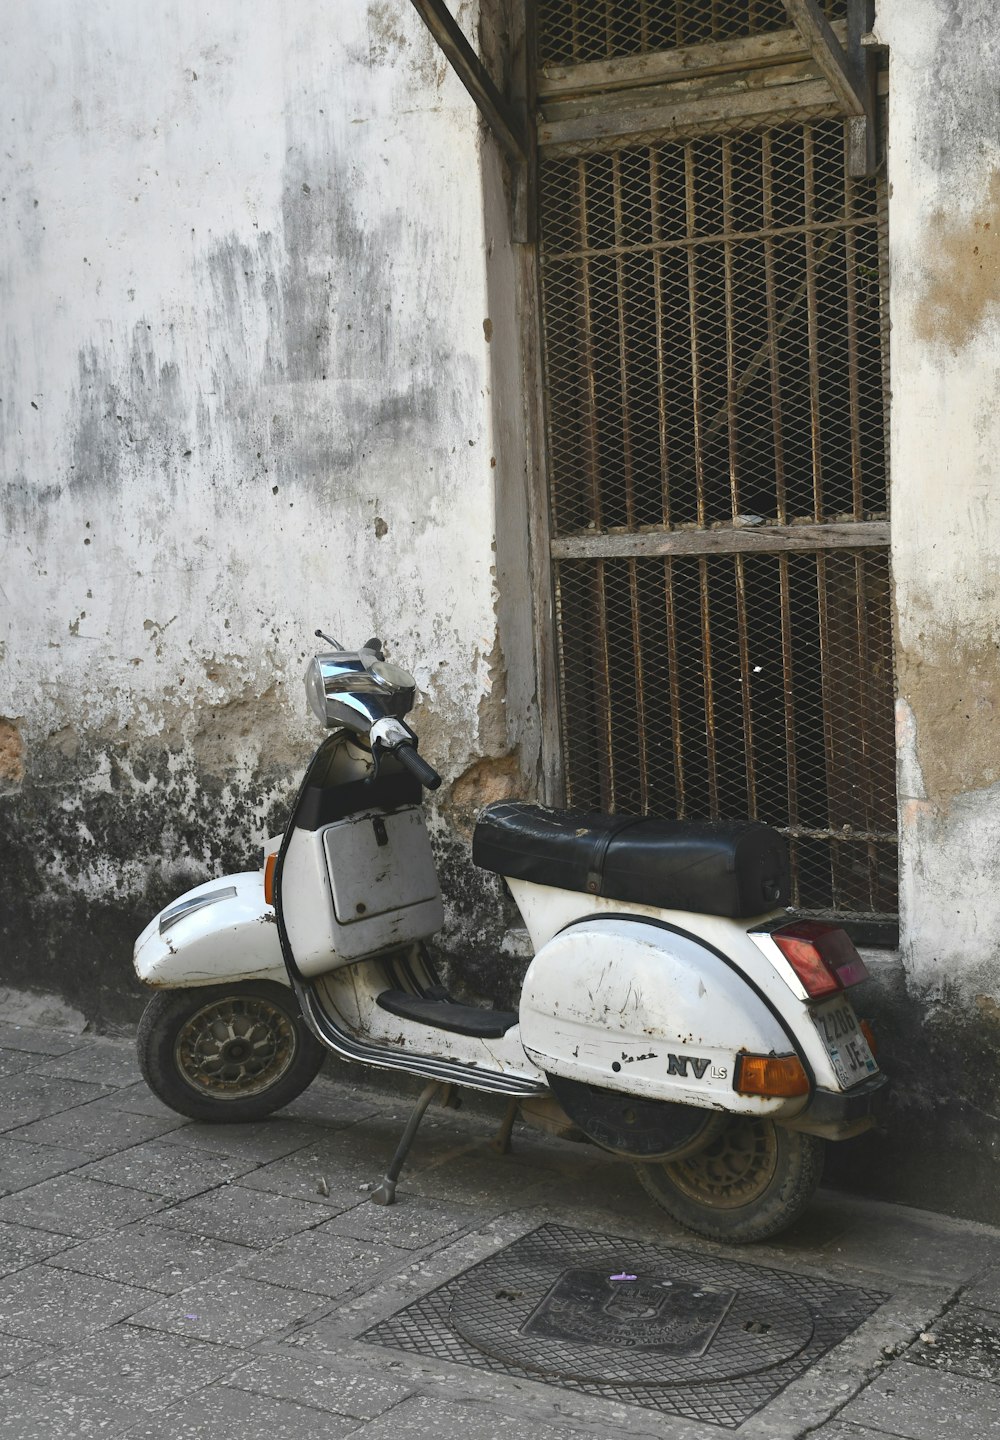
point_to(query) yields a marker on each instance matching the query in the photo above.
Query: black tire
(750, 1182)
(227, 1053)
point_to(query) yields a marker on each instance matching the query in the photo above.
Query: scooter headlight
(315, 689)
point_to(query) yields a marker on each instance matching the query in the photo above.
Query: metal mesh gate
(575, 31)
(714, 350)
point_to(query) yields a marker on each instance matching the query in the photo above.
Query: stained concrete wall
(939, 1010)
(247, 390)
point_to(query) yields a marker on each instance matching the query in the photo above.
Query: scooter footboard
(222, 930)
(633, 1007)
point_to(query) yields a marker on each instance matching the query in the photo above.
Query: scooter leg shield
(220, 931)
(627, 1006)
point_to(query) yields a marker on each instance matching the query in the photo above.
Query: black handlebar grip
(419, 768)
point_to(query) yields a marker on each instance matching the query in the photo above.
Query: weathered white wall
(245, 392)
(944, 226)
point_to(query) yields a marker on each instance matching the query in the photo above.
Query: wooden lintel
(499, 116)
(727, 540)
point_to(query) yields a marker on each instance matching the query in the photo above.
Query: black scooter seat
(737, 869)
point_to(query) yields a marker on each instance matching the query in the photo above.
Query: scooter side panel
(547, 911)
(231, 935)
(635, 1008)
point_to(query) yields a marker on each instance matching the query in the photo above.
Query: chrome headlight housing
(355, 688)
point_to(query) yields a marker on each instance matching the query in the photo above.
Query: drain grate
(663, 1329)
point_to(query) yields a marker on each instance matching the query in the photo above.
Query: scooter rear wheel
(750, 1182)
(227, 1053)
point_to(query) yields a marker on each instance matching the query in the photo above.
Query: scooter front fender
(222, 930)
(625, 1005)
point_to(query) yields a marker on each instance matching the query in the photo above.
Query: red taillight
(823, 956)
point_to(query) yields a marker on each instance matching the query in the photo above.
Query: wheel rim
(734, 1169)
(235, 1047)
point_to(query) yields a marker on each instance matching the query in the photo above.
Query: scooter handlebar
(418, 768)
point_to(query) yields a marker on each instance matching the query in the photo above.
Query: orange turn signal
(269, 865)
(774, 1075)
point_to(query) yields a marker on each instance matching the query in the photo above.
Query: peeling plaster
(11, 753)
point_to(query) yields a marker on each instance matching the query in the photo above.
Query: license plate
(847, 1048)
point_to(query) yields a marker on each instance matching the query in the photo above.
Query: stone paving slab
(231, 1309)
(23, 1163)
(16, 1354)
(102, 1061)
(21, 1246)
(136, 1367)
(966, 1342)
(171, 1279)
(272, 1139)
(27, 1097)
(175, 1171)
(231, 1414)
(323, 1263)
(76, 1206)
(100, 1128)
(921, 1404)
(14, 1062)
(352, 1394)
(242, 1216)
(148, 1256)
(52, 1307)
(39, 1041)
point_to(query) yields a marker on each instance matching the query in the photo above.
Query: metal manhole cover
(665, 1329)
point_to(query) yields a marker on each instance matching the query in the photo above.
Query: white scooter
(674, 1008)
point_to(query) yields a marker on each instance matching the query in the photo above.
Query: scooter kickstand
(501, 1140)
(385, 1194)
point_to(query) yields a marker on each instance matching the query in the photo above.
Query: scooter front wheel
(750, 1182)
(227, 1053)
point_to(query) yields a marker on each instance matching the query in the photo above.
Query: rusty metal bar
(505, 124)
(812, 322)
(707, 683)
(659, 320)
(746, 672)
(588, 378)
(674, 686)
(773, 331)
(623, 362)
(863, 719)
(776, 232)
(642, 733)
(606, 757)
(699, 458)
(788, 686)
(853, 388)
(828, 683)
(732, 387)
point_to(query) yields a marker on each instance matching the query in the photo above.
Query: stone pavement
(161, 1279)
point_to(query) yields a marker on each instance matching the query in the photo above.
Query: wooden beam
(828, 53)
(688, 113)
(499, 116)
(727, 540)
(713, 57)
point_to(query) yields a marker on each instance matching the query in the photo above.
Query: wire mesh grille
(714, 332)
(717, 686)
(715, 355)
(573, 31)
